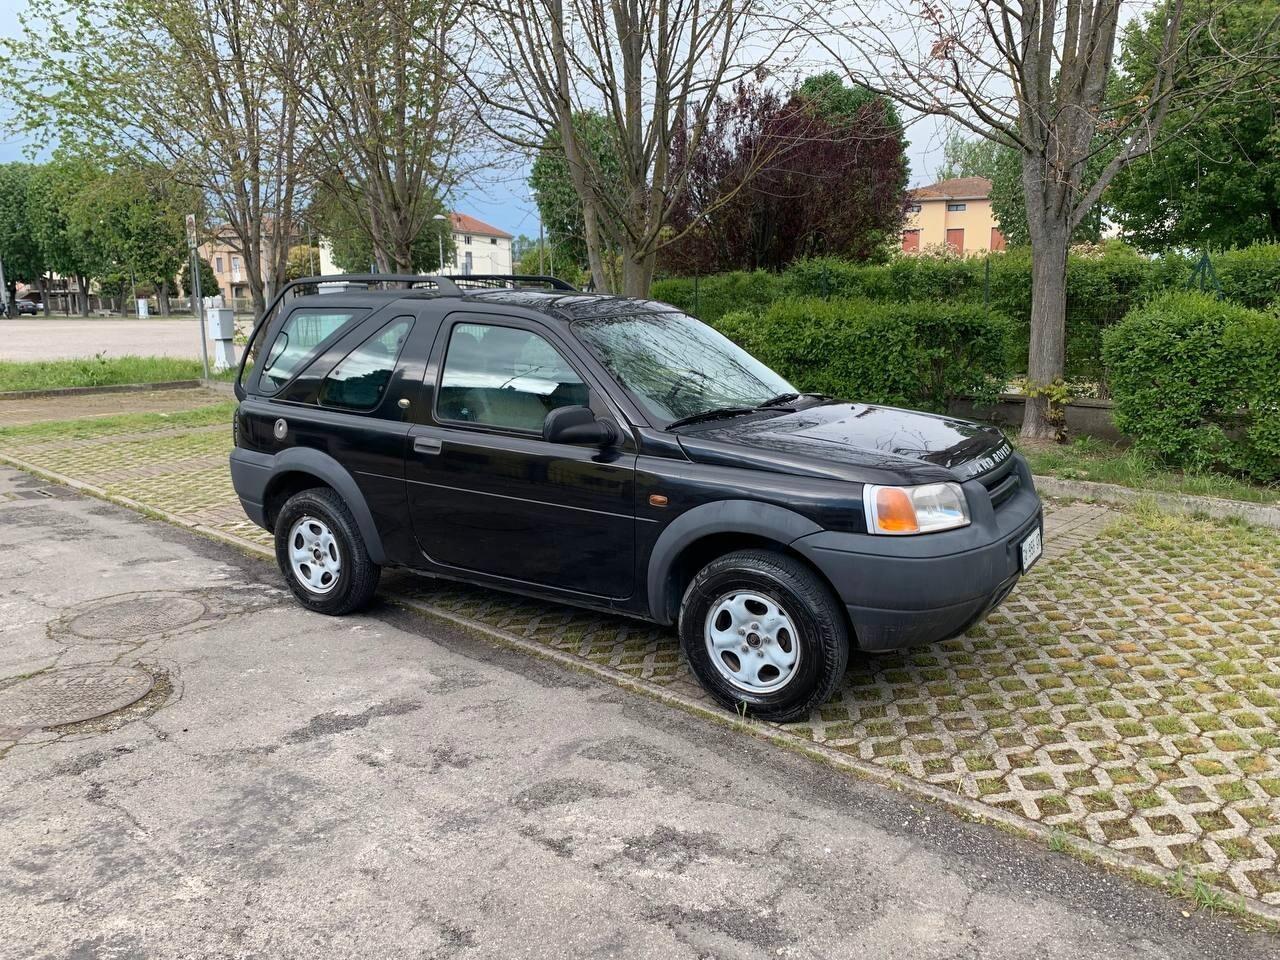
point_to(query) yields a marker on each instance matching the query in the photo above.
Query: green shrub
(1251, 275)
(1196, 380)
(916, 355)
(709, 298)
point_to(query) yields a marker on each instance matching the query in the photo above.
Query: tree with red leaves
(822, 172)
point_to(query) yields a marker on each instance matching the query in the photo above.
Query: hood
(853, 441)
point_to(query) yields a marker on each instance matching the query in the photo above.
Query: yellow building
(953, 215)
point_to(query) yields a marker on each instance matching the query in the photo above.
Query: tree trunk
(162, 298)
(637, 273)
(43, 284)
(1047, 354)
(83, 281)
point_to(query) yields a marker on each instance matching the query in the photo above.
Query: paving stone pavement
(1128, 691)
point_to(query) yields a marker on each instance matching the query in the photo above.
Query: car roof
(553, 304)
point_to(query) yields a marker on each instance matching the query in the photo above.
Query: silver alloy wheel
(314, 556)
(752, 642)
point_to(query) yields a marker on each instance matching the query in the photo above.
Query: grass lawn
(1087, 458)
(98, 371)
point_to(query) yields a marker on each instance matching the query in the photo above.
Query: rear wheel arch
(707, 532)
(300, 468)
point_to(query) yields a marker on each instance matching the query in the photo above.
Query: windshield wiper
(719, 413)
(783, 399)
(780, 399)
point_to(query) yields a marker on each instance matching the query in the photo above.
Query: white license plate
(1031, 549)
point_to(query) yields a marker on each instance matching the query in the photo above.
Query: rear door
(488, 495)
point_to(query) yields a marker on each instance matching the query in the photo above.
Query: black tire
(357, 578)
(819, 621)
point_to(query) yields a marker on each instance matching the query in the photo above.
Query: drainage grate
(136, 617)
(70, 696)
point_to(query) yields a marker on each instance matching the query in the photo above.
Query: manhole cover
(69, 696)
(138, 617)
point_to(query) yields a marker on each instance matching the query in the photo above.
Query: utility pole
(541, 247)
(4, 293)
(197, 305)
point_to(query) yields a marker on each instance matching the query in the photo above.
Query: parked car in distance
(28, 307)
(619, 455)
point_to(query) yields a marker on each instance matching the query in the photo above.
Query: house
(221, 253)
(952, 214)
(478, 247)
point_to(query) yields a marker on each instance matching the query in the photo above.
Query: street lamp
(440, 238)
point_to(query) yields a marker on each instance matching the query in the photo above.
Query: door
(955, 240)
(910, 241)
(488, 495)
(997, 239)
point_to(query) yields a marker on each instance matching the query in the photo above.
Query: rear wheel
(322, 555)
(764, 633)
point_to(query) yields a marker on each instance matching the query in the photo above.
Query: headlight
(924, 509)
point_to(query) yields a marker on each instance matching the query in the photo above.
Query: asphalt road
(383, 786)
(35, 338)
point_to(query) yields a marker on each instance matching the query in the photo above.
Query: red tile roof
(958, 188)
(463, 223)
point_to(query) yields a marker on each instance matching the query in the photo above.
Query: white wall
(488, 254)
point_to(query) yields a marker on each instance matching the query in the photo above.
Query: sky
(501, 198)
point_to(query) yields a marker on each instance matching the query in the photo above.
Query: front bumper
(903, 591)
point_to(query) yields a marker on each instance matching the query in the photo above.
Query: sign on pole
(194, 292)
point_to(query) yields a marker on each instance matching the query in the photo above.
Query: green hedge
(1196, 380)
(915, 354)
(710, 298)
(1103, 284)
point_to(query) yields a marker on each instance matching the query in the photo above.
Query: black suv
(617, 454)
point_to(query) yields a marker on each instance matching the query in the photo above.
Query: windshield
(676, 367)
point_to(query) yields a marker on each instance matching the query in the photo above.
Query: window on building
(494, 241)
(217, 264)
(360, 379)
(503, 377)
(956, 207)
(913, 208)
(467, 239)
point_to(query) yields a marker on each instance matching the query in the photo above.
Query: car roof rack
(443, 285)
(500, 280)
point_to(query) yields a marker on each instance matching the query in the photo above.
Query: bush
(710, 298)
(1251, 275)
(917, 355)
(1196, 381)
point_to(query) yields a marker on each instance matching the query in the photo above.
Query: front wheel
(764, 634)
(322, 555)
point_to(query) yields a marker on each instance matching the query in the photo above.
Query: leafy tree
(822, 172)
(20, 249)
(72, 244)
(208, 279)
(559, 204)
(304, 261)
(352, 246)
(1216, 181)
(555, 260)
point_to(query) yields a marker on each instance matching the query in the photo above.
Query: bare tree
(184, 84)
(653, 68)
(1039, 76)
(375, 81)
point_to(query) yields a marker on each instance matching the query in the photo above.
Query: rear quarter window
(302, 332)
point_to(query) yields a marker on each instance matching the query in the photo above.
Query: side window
(361, 377)
(302, 332)
(503, 377)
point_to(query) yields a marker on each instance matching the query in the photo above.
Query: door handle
(427, 445)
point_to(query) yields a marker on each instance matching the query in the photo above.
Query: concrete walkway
(383, 787)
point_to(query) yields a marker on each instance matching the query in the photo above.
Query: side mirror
(578, 425)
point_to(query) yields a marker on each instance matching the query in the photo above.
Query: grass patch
(124, 423)
(1088, 458)
(99, 371)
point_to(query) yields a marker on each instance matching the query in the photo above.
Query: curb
(1258, 514)
(113, 388)
(969, 809)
